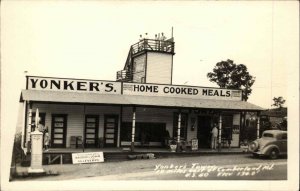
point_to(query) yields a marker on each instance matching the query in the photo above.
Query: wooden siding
(140, 60)
(76, 116)
(159, 68)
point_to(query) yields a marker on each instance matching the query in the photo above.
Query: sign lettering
(110, 87)
(91, 157)
(59, 84)
(181, 91)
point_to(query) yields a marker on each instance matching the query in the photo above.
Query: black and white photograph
(149, 95)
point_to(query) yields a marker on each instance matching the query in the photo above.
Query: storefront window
(250, 133)
(144, 132)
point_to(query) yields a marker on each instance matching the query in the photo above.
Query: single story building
(141, 108)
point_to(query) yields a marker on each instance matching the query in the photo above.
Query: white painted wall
(76, 116)
(159, 68)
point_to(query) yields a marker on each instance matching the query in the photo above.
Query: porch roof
(90, 98)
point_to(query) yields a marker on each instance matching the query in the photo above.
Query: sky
(91, 40)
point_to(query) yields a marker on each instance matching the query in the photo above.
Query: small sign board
(91, 157)
(194, 144)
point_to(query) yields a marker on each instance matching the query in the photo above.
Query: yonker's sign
(110, 87)
(74, 85)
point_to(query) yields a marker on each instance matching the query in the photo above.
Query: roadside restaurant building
(141, 108)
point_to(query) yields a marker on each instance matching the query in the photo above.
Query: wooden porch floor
(139, 150)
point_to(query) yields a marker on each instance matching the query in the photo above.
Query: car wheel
(274, 154)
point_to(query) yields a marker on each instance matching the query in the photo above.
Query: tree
(278, 102)
(227, 74)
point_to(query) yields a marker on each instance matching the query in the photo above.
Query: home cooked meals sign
(181, 91)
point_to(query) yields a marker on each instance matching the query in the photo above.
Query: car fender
(267, 149)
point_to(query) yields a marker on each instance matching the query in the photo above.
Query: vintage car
(272, 144)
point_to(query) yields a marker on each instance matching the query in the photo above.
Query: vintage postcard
(149, 95)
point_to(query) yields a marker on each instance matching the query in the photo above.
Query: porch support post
(179, 124)
(220, 132)
(258, 125)
(24, 129)
(83, 133)
(242, 126)
(120, 126)
(29, 121)
(133, 129)
(178, 131)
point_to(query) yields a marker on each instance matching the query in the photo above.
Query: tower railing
(153, 45)
(124, 76)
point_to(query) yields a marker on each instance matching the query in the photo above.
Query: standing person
(146, 40)
(40, 126)
(156, 42)
(46, 140)
(162, 38)
(214, 136)
(140, 44)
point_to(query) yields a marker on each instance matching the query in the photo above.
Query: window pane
(58, 130)
(58, 124)
(91, 120)
(109, 141)
(110, 120)
(90, 141)
(58, 141)
(91, 125)
(268, 135)
(110, 130)
(90, 135)
(109, 135)
(59, 119)
(90, 130)
(148, 132)
(58, 136)
(110, 125)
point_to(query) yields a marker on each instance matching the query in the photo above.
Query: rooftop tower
(149, 61)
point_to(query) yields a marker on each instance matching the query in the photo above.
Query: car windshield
(268, 135)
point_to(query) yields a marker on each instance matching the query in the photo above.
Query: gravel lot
(70, 171)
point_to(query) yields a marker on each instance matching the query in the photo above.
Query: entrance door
(110, 130)
(203, 133)
(91, 130)
(59, 130)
